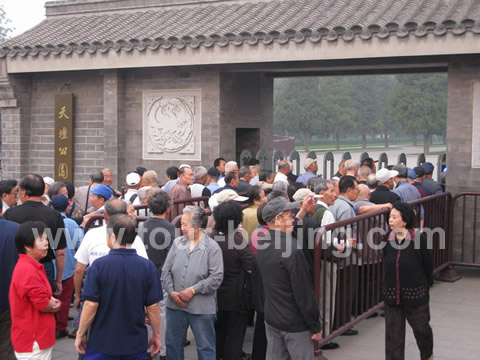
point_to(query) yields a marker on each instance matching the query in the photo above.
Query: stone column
(15, 103)
(114, 125)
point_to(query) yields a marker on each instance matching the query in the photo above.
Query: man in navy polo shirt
(118, 287)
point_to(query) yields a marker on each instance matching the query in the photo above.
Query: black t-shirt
(36, 211)
(158, 236)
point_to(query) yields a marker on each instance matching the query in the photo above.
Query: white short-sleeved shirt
(94, 246)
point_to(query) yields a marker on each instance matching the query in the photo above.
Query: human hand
(317, 336)
(58, 288)
(154, 343)
(351, 242)
(389, 206)
(176, 298)
(56, 305)
(76, 303)
(80, 343)
(186, 295)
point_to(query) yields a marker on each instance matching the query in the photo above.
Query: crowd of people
(244, 256)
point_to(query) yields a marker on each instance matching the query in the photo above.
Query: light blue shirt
(169, 184)
(305, 177)
(74, 236)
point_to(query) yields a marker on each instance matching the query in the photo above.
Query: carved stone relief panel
(172, 125)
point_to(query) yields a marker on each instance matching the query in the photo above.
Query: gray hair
(322, 186)
(199, 172)
(151, 176)
(244, 171)
(372, 181)
(351, 164)
(96, 176)
(142, 192)
(54, 189)
(198, 215)
(313, 181)
(364, 171)
(280, 186)
(402, 170)
(115, 206)
(231, 166)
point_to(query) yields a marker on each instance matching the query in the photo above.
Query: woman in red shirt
(31, 301)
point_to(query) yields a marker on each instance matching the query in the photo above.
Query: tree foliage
(340, 106)
(5, 28)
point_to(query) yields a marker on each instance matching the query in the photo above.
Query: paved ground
(455, 321)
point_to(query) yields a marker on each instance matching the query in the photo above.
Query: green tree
(419, 105)
(337, 109)
(5, 29)
(296, 108)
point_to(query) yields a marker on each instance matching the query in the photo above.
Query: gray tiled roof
(235, 23)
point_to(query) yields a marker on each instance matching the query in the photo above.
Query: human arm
(372, 208)
(53, 305)
(215, 271)
(78, 276)
(300, 281)
(88, 315)
(153, 312)
(167, 277)
(60, 263)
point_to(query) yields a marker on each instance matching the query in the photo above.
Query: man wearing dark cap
(292, 318)
(74, 236)
(428, 182)
(419, 174)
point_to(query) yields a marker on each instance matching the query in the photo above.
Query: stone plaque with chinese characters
(172, 125)
(64, 137)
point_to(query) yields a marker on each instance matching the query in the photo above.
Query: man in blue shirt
(311, 168)
(8, 259)
(118, 288)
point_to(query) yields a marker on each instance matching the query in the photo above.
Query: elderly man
(231, 182)
(133, 182)
(419, 179)
(31, 190)
(212, 179)
(98, 197)
(8, 193)
(351, 167)
(341, 169)
(404, 189)
(383, 193)
(283, 171)
(311, 168)
(82, 194)
(363, 174)
(292, 319)
(181, 191)
(120, 283)
(200, 176)
(433, 186)
(230, 167)
(245, 175)
(363, 198)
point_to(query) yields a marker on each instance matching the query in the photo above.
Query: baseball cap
(383, 175)
(133, 179)
(275, 207)
(60, 202)
(428, 167)
(103, 190)
(308, 162)
(48, 180)
(411, 173)
(301, 194)
(225, 195)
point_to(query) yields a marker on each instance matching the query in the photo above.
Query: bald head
(363, 191)
(283, 167)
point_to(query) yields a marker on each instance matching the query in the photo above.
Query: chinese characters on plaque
(64, 137)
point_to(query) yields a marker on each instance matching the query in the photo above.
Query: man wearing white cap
(311, 167)
(383, 193)
(133, 184)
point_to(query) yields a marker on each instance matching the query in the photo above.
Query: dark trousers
(66, 298)
(419, 319)
(259, 349)
(346, 292)
(230, 330)
(50, 271)
(6, 349)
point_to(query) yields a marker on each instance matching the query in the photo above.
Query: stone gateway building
(162, 82)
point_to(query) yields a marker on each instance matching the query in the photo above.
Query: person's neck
(160, 216)
(401, 233)
(32, 198)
